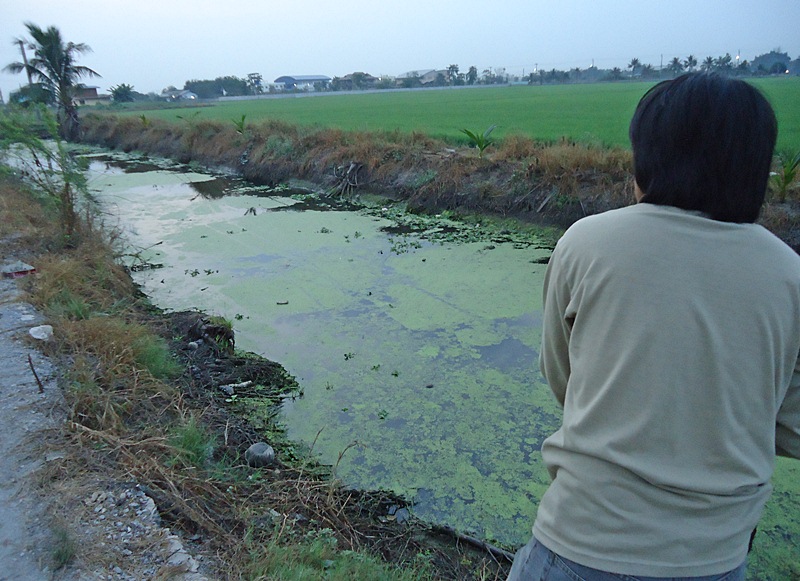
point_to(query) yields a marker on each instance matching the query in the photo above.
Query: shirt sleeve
(787, 428)
(556, 328)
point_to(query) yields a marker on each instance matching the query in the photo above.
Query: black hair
(704, 142)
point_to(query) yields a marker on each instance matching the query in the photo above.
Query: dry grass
(32, 219)
(517, 176)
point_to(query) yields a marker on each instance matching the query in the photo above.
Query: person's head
(704, 142)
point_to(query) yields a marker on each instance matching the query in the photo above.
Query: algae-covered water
(415, 340)
(421, 347)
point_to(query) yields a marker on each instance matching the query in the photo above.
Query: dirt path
(102, 528)
(26, 416)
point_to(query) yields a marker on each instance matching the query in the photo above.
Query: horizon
(152, 46)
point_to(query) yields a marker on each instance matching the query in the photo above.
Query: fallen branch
(35, 375)
(494, 551)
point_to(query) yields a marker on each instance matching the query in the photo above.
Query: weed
(152, 353)
(316, 557)
(239, 124)
(480, 140)
(192, 445)
(220, 330)
(278, 146)
(47, 165)
(64, 547)
(424, 178)
(71, 306)
(782, 180)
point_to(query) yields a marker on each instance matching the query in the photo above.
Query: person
(671, 336)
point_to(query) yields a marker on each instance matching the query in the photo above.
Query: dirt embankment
(550, 184)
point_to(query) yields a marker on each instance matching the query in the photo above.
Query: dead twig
(35, 375)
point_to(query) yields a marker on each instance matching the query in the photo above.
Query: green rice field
(594, 113)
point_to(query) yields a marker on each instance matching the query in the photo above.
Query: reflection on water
(508, 353)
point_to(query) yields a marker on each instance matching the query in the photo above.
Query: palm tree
(690, 63)
(708, 64)
(675, 66)
(648, 71)
(53, 66)
(633, 65)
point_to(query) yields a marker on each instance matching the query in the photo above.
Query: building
(302, 82)
(89, 96)
(423, 78)
(178, 95)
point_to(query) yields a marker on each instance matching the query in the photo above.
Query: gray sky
(151, 44)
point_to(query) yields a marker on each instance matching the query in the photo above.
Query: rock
(17, 269)
(259, 454)
(42, 332)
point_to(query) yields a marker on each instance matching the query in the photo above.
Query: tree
(452, 73)
(472, 75)
(708, 64)
(614, 75)
(675, 66)
(221, 86)
(411, 81)
(724, 63)
(774, 61)
(54, 67)
(255, 82)
(690, 62)
(30, 95)
(633, 65)
(122, 93)
(648, 71)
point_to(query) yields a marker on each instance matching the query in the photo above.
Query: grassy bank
(552, 184)
(596, 113)
(144, 406)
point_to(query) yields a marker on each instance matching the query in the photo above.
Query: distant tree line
(53, 76)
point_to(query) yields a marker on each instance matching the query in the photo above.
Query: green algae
(414, 336)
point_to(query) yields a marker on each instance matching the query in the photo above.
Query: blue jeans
(535, 562)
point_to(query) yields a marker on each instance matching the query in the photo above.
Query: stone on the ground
(42, 332)
(259, 455)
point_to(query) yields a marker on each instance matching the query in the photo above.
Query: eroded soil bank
(552, 184)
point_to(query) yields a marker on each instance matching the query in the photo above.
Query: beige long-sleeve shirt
(672, 342)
